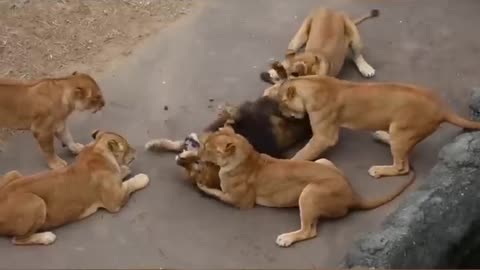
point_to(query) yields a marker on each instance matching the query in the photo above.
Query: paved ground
(217, 52)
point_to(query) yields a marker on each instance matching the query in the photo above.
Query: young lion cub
(43, 107)
(247, 178)
(30, 205)
(409, 114)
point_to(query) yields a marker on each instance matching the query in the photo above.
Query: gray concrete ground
(217, 52)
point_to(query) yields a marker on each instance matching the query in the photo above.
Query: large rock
(475, 104)
(437, 226)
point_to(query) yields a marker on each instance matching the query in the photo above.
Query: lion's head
(86, 92)
(290, 103)
(296, 64)
(120, 148)
(225, 148)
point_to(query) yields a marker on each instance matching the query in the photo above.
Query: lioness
(328, 37)
(260, 121)
(30, 205)
(319, 188)
(43, 106)
(409, 114)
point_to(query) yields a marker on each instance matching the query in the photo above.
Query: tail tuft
(375, 13)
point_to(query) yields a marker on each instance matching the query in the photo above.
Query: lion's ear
(289, 53)
(230, 148)
(203, 137)
(291, 92)
(227, 129)
(280, 69)
(299, 69)
(114, 146)
(95, 133)
(80, 93)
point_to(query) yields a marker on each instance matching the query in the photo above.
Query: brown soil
(55, 37)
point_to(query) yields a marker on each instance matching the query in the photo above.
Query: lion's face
(189, 155)
(222, 148)
(296, 64)
(117, 145)
(290, 103)
(87, 93)
(301, 64)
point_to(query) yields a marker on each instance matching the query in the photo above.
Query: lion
(329, 37)
(247, 178)
(402, 115)
(43, 106)
(32, 205)
(260, 121)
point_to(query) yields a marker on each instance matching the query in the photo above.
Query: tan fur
(286, 134)
(328, 36)
(197, 171)
(318, 188)
(46, 200)
(43, 106)
(409, 114)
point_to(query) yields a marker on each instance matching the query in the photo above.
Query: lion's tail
(459, 121)
(371, 204)
(373, 13)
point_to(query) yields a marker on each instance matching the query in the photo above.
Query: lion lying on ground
(31, 205)
(409, 114)
(319, 188)
(260, 122)
(43, 106)
(329, 36)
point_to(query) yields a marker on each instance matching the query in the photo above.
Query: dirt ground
(56, 37)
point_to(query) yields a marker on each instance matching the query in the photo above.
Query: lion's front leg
(114, 198)
(45, 137)
(325, 135)
(63, 134)
(225, 197)
(315, 147)
(240, 198)
(124, 171)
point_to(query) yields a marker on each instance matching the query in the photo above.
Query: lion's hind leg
(402, 139)
(316, 201)
(356, 46)
(22, 215)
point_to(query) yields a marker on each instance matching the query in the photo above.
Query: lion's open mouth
(191, 143)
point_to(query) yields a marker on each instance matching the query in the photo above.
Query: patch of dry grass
(45, 37)
(41, 38)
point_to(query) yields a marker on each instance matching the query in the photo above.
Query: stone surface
(474, 104)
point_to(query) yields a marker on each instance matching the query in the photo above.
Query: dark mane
(253, 122)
